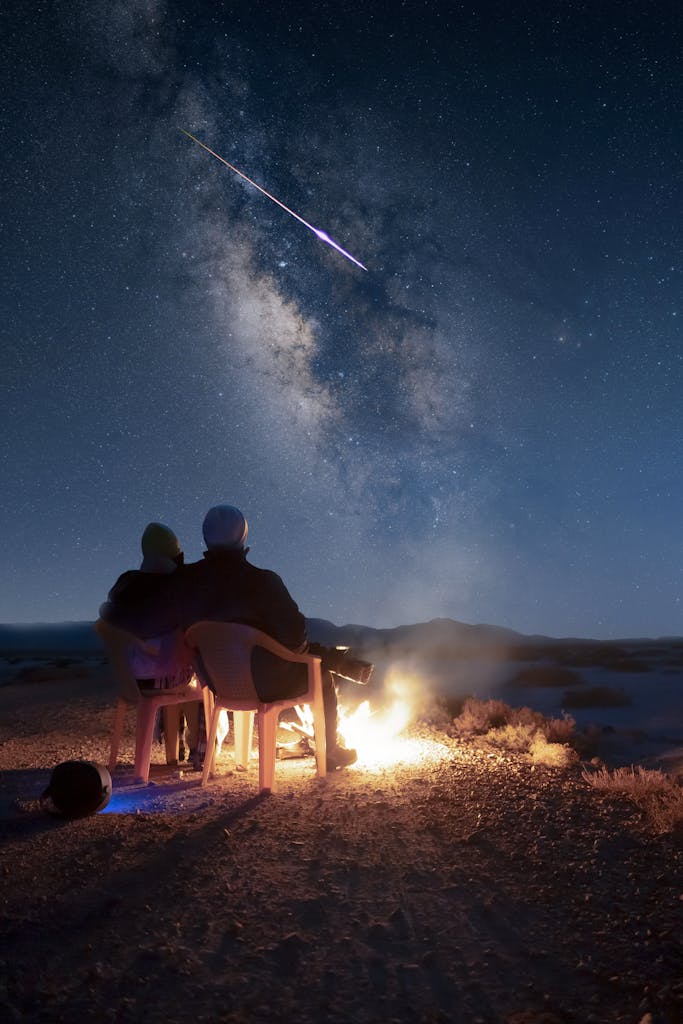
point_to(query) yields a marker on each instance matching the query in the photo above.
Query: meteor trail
(322, 235)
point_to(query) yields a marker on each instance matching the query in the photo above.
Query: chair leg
(244, 731)
(171, 715)
(208, 702)
(267, 729)
(144, 734)
(117, 732)
(210, 755)
(318, 710)
(222, 731)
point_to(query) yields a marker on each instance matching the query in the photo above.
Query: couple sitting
(165, 597)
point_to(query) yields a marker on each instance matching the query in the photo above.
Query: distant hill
(445, 634)
(443, 642)
(440, 638)
(51, 636)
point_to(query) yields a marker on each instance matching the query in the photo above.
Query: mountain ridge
(441, 633)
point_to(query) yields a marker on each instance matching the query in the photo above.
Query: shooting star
(322, 235)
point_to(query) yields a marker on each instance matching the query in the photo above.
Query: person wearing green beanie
(142, 602)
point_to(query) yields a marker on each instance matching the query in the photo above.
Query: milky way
(485, 425)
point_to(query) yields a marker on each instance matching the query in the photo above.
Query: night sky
(487, 425)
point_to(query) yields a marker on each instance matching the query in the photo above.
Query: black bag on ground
(78, 788)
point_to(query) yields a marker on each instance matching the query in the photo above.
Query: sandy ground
(467, 885)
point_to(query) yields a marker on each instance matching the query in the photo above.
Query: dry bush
(480, 716)
(630, 781)
(518, 729)
(512, 737)
(524, 716)
(596, 697)
(665, 810)
(553, 754)
(528, 739)
(546, 675)
(658, 795)
(555, 730)
(559, 730)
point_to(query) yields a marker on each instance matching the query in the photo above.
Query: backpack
(78, 788)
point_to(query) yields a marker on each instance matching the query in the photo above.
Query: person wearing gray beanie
(225, 528)
(224, 587)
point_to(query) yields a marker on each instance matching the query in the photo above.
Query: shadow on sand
(22, 813)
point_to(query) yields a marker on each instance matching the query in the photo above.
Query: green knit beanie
(159, 541)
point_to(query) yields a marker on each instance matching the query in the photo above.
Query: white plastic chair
(118, 645)
(224, 655)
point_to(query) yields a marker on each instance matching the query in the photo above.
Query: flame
(377, 735)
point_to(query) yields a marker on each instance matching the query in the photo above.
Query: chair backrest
(119, 644)
(224, 654)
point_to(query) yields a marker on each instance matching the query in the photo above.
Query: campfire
(377, 733)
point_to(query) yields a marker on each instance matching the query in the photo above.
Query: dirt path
(467, 887)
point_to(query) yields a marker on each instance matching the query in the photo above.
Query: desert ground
(456, 881)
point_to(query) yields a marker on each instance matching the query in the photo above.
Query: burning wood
(375, 734)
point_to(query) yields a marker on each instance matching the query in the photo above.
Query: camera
(341, 663)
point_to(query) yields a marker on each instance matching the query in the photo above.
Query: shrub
(559, 730)
(512, 737)
(596, 697)
(480, 716)
(633, 782)
(657, 794)
(524, 716)
(553, 754)
(532, 740)
(665, 810)
(517, 729)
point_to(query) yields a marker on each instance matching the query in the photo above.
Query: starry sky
(487, 425)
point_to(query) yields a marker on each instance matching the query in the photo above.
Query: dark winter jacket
(144, 603)
(224, 587)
